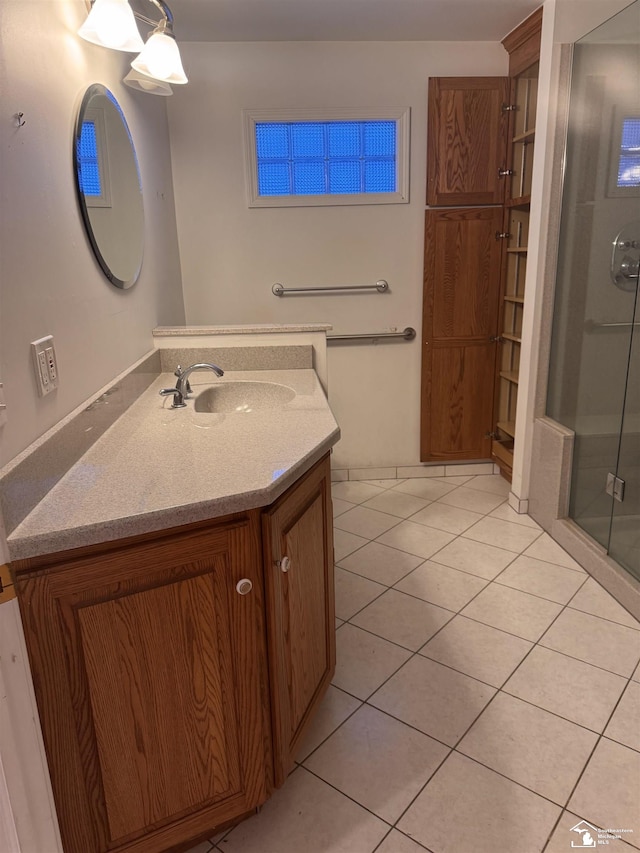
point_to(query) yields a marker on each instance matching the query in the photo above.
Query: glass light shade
(111, 24)
(135, 80)
(160, 59)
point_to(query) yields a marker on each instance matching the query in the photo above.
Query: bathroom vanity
(179, 653)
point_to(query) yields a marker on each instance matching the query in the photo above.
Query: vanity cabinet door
(298, 549)
(149, 666)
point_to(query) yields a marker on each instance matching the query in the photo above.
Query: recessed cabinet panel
(298, 549)
(149, 674)
(463, 376)
(463, 272)
(460, 323)
(466, 140)
(182, 754)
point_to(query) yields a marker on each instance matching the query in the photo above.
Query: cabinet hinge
(491, 435)
(502, 235)
(504, 173)
(509, 108)
(496, 339)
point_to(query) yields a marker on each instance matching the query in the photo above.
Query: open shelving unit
(523, 47)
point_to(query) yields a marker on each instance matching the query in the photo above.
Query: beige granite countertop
(158, 467)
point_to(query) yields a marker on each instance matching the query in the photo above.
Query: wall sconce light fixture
(142, 83)
(111, 23)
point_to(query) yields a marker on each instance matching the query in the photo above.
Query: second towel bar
(407, 334)
(380, 286)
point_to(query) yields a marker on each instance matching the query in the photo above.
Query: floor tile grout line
(563, 604)
(604, 618)
(515, 781)
(348, 796)
(476, 718)
(470, 758)
(395, 829)
(333, 731)
(581, 660)
(417, 651)
(366, 577)
(486, 624)
(348, 621)
(590, 577)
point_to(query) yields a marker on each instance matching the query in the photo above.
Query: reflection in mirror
(109, 187)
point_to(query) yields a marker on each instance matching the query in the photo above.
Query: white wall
(50, 282)
(231, 255)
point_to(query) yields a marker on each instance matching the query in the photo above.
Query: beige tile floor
(486, 696)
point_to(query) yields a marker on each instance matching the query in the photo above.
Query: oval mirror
(109, 186)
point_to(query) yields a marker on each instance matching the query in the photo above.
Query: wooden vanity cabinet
(158, 700)
(298, 560)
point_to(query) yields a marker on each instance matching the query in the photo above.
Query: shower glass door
(624, 539)
(594, 376)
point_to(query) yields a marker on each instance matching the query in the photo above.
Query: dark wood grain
(150, 677)
(460, 315)
(466, 140)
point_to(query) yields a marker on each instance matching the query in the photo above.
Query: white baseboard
(404, 472)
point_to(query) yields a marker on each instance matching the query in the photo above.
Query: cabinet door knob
(284, 564)
(244, 586)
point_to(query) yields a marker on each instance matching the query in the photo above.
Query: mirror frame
(91, 92)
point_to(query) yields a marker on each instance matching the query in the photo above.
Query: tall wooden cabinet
(176, 672)
(480, 152)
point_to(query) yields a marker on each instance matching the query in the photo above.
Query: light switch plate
(45, 365)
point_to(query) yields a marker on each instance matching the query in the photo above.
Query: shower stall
(594, 368)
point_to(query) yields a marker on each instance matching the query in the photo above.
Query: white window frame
(401, 116)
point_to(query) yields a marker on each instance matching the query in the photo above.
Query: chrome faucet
(182, 388)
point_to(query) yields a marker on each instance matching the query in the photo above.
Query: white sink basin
(243, 396)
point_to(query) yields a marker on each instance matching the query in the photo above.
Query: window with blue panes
(629, 162)
(306, 158)
(88, 161)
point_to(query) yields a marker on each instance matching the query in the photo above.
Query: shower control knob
(244, 586)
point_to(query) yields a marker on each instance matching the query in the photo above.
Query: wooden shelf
(519, 300)
(522, 201)
(508, 427)
(510, 376)
(509, 337)
(519, 250)
(502, 454)
(526, 136)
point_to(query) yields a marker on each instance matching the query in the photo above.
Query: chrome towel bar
(408, 335)
(592, 325)
(380, 286)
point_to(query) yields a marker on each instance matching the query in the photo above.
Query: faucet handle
(178, 400)
(178, 372)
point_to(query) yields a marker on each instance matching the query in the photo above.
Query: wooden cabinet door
(298, 549)
(460, 322)
(149, 669)
(466, 140)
